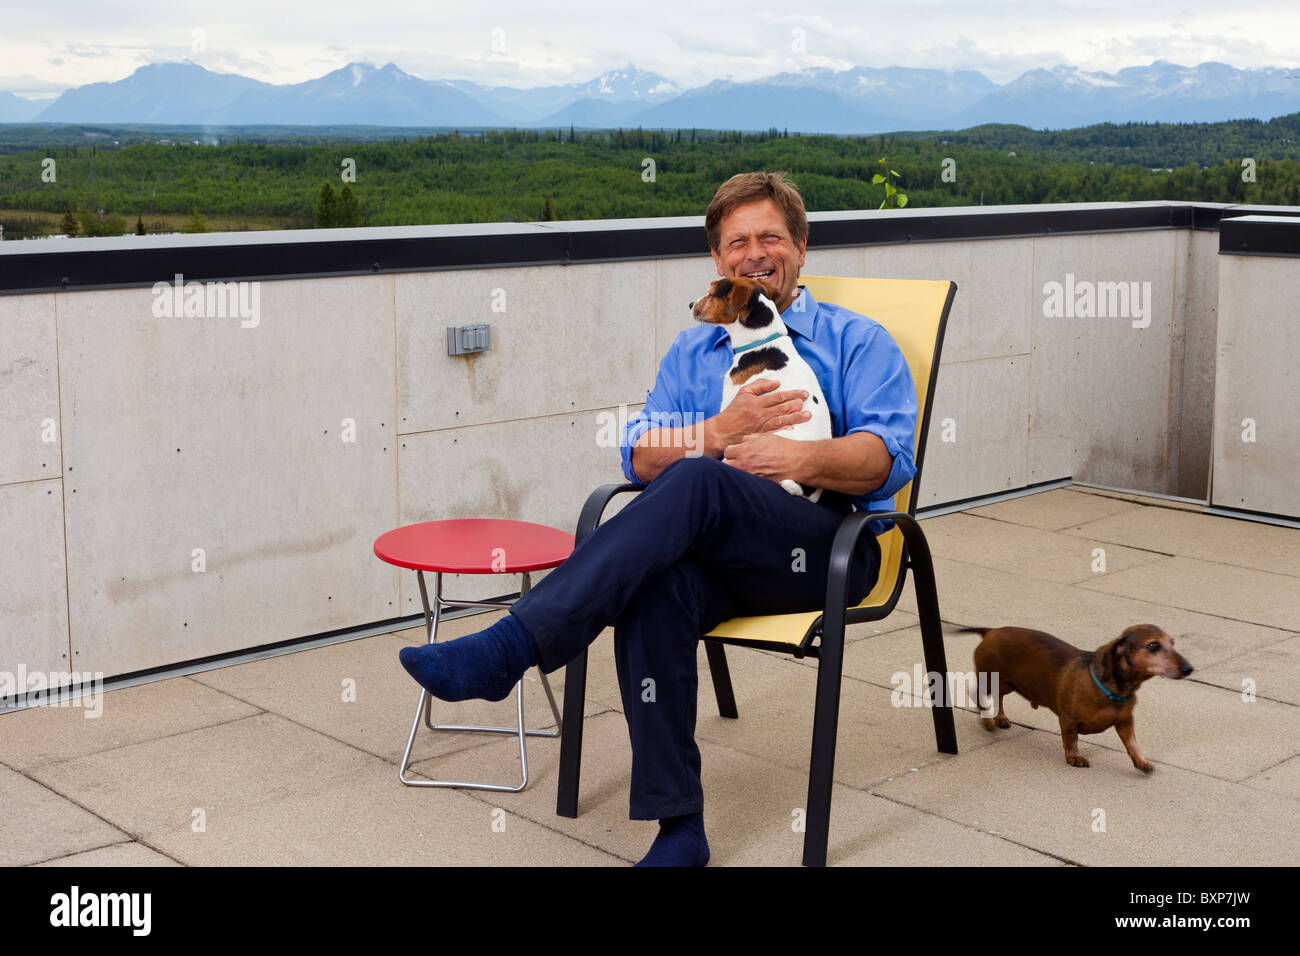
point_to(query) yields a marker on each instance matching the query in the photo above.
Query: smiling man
(713, 536)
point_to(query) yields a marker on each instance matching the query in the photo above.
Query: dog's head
(741, 299)
(1143, 651)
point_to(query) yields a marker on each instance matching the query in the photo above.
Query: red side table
(473, 546)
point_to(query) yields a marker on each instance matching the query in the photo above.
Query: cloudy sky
(46, 48)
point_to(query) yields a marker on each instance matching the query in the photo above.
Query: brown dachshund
(1088, 691)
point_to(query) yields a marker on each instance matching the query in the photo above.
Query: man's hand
(853, 464)
(755, 409)
(769, 456)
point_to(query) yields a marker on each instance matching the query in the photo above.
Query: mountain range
(858, 100)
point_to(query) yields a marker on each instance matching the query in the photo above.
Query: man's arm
(853, 464)
(756, 409)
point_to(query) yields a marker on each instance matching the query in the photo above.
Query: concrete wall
(1257, 392)
(169, 435)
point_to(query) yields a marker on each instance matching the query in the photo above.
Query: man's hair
(745, 188)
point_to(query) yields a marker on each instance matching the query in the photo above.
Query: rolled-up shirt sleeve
(880, 398)
(660, 404)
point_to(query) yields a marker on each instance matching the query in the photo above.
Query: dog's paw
(1002, 721)
(1146, 766)
(1074, 760)
(988, 724)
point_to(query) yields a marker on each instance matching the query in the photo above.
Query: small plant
(894, 199)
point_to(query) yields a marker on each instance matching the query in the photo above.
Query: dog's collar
(1103, 687)
(754, 345)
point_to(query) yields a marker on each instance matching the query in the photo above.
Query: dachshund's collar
(1103, 686)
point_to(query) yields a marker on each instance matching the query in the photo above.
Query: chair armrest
(916, 556)
(595, 507)
(854, 525)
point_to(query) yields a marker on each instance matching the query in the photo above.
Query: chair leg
(721, 679)
(936, 660)
(826, 718)
(575, 692)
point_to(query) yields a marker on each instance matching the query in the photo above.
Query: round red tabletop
(475, 546)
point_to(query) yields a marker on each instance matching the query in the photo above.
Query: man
(713, 536)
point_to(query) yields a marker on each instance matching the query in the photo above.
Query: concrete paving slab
(1271, 672)
(130, 715)
(38, 824)
(1243, 594)
(357, 692)
(975, 596)
(118, 854)
(1053, 510)
(1284, 779)
(370, 819)
(159, 785)
(752, 808)
(1246, 544)
(775, 699)
(1032, 552)
(1170, 817)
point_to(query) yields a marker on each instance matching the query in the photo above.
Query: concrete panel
(199, 433)
(1196, 323)
(538, 470)
(1258, 341)
(983, 407)
(995, 304)
(678, 282)
(34, 598)
(29, 389)
(1100, 394)
(563, 339)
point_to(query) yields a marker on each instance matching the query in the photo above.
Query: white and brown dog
(762, 346)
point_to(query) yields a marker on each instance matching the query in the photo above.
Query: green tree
(548, 211)
(139, 225)
(197, 223)
(114, 224)
(90, 223)
(347, 211)
(326, 208)
(69, 223)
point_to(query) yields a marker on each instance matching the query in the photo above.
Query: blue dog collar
(1103, 686)
(754, 345)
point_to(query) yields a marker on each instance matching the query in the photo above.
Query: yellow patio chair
(915, 313)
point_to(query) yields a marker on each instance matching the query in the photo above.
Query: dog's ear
(1121, 658)
(720, 288)
(757, 312)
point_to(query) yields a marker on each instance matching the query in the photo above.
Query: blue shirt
(862, 372)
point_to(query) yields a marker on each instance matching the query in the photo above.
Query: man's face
(754, 241)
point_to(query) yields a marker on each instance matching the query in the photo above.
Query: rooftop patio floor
(266, 763)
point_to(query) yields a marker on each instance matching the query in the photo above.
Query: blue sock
(482, 666)
(680, 842)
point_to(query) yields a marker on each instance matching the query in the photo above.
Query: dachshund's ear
(757, 313)
(1121, 661)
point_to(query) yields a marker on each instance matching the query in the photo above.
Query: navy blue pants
(703, 543)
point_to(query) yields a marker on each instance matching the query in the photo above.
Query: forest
(75, 183)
